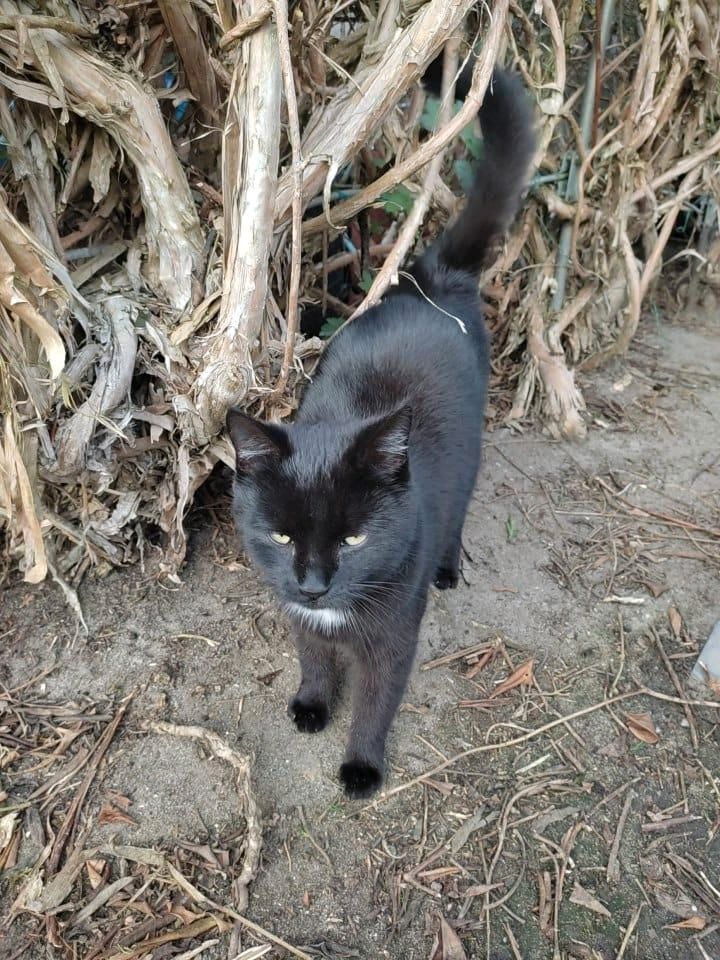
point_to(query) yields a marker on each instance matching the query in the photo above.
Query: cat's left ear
(383, 444)
(254, 441)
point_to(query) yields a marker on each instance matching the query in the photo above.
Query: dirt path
(586, 842)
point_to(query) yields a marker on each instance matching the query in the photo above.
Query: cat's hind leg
(311, 706)
(447, 573)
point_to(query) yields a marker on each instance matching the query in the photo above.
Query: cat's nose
(312, 587)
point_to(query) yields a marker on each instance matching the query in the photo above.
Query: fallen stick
(241, 765)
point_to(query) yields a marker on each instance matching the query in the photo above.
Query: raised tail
(506, 120)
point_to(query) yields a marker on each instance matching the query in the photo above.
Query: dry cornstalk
(184, 27)
(340, 129)
(116, 102)
(251, 144)
(112, 385)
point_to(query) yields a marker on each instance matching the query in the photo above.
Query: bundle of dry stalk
(176, 171)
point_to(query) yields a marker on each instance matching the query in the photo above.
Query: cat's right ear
(254, 441)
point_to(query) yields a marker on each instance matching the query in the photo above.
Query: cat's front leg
(311, 705)
(379, 680)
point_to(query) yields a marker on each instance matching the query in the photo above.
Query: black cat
(354, 510)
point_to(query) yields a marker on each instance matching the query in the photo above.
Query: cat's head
(325, 511)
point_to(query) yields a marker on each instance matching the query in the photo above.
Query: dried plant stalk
(243, 783)
(251, 144)
(17, 502)
(112, 384)
(338, 130)
(115, 101)
(183, 24)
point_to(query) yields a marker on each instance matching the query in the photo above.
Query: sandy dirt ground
(594, 571)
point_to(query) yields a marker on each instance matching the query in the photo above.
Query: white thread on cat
(322, 619)
(460, 323)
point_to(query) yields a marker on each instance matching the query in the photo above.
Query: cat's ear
(383, 444)
(254, 441)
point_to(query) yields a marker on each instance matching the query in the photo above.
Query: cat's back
(405, 349)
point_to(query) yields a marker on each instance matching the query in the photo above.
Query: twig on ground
(629, 932)
(70, 822)
(243, 783)
(613, 866)
(678, 686)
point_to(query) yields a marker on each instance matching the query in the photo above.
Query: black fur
(309, 717)
(386, 445)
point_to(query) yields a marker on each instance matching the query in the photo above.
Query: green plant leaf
(330, 326)
(398, 200)
(429, 116)
(511, 529)
(366, 280)
(472, 141)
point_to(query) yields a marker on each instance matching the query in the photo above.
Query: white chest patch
(323, 620)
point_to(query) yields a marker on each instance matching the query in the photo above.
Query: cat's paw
(309, 717)
(360, 779)
(446, 579)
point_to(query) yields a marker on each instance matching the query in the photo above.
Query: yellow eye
(282, 538)
(356, 541)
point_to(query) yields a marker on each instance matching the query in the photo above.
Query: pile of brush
(196, 194)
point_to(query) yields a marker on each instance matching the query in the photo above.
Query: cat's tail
(506, 121)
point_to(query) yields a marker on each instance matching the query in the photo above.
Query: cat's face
(325, 512)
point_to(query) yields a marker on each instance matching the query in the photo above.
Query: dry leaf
(545, 904)
(7, 828)
(480, 889)
(522, 677)
(187, 916)
(678, 903)
(109, 814)
(447, 944)
(583, 898)
(8, 857)
(8, 757)
(96, 870)
(642, 726)
(692, 923)
(675, 621)
(656, 588)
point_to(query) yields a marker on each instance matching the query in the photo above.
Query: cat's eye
(355, 541)
(282, 538)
